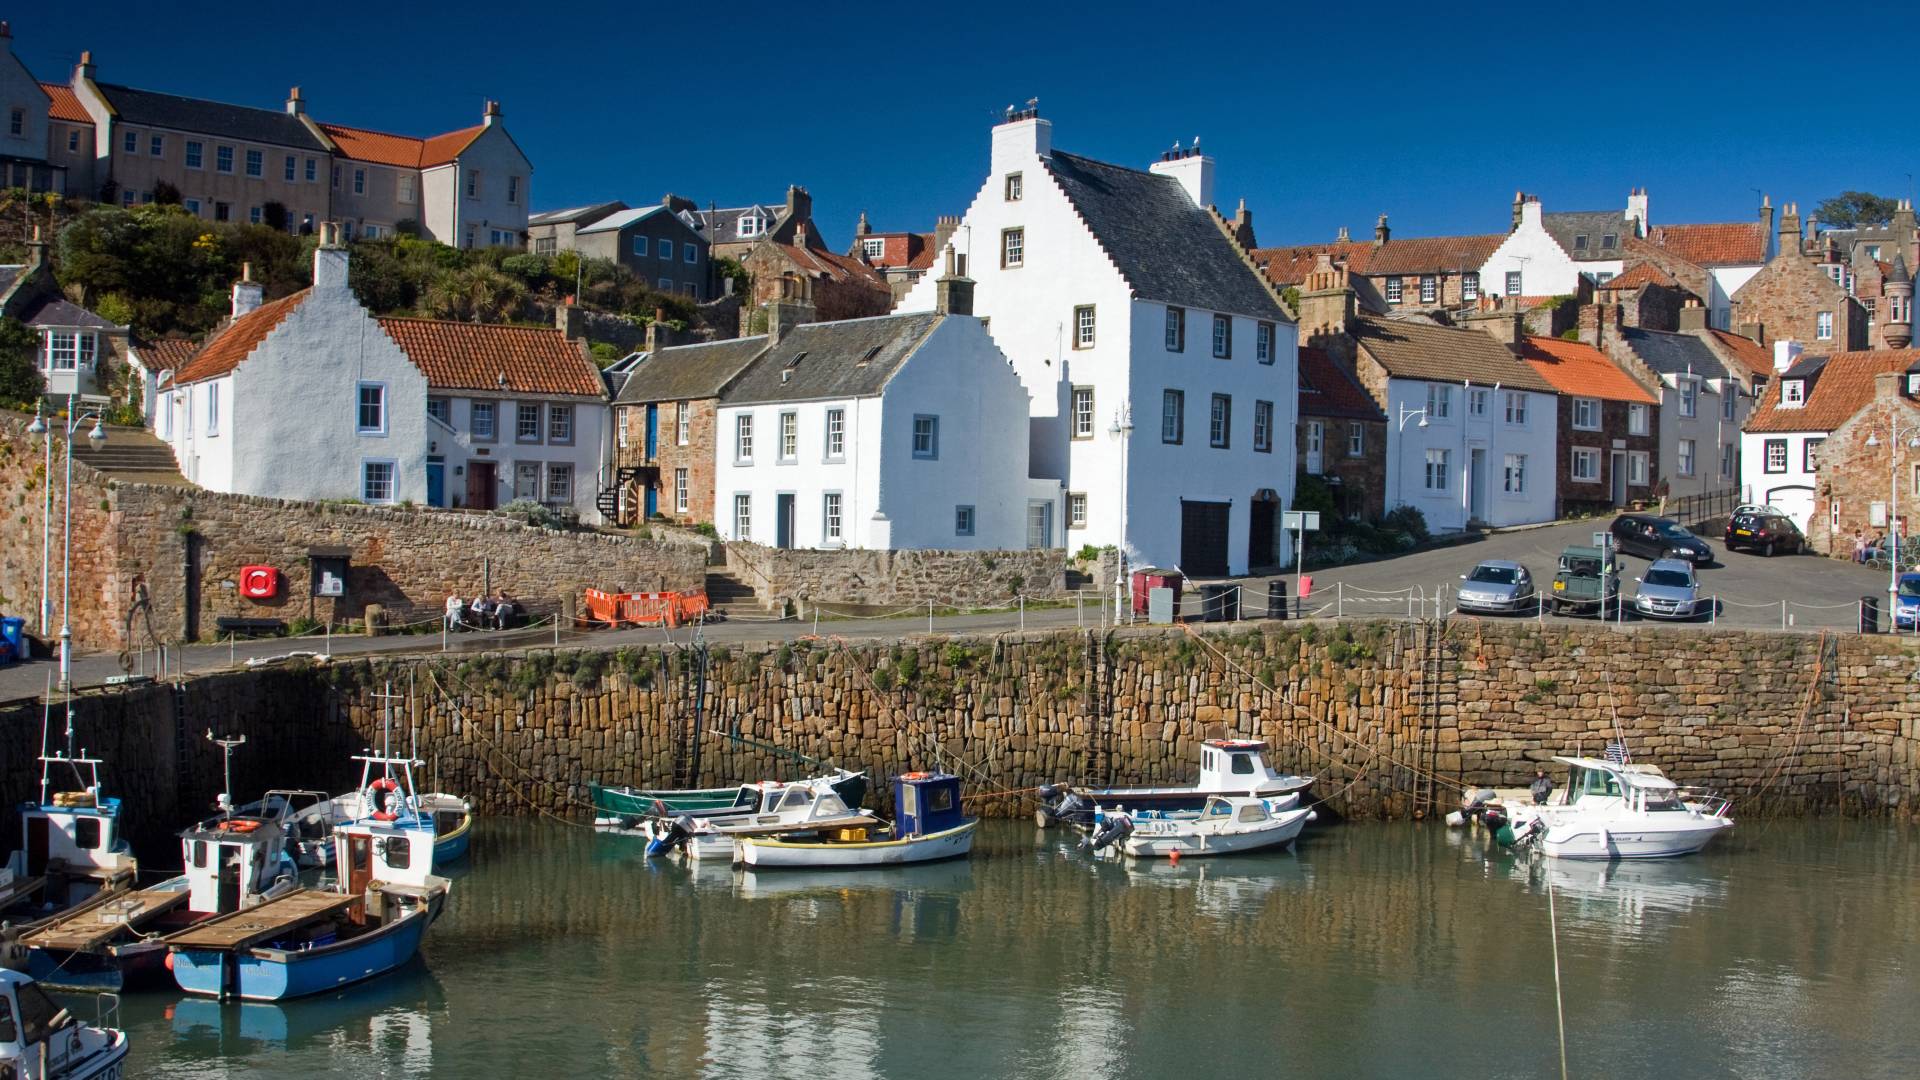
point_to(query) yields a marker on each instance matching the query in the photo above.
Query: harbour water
(1375, 950)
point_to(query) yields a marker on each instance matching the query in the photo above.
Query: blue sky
(1319, 115)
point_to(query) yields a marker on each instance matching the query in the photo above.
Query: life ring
(915, 775)
(239, 825)
(378, 795)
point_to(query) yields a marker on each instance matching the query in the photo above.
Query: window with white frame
(157, 146)
(526, 481)
(789, 436)
(680, 490)
(639, 245)
(743, 438)
(377, 481)
(1220, 422)
(1823, 326)
(1393, 290)
(1439, 401)
(1689, 396)
(292, 171)
(165, 411)
(1729, 400)
(1013, 247)
(1478, 401)
(131, 143)
(513, 191)
(1585, 467)
(963, 521)
(223, 159)
(1638, 419)
(560, 423)
(406, 186)
(1222, 336)
(1513, 283)
(1173, 417)
(1683, 458)
(1176, 329)
(1076, 509)
(68, 350)
(194, 152)
(192, 205)
(1586, 414)
(830, 517)
(1263, 427)
(1515, 474)
(559, 482)
(253, 215)
(1810, 454)
(926, 437)
(836, 434)
(743, 516)
(1470, 286)
(1437, 469)
(1729, 460)
(1016, 187)
(17, 122)
(213, 409)
(665, 250)
(480, 419)
(526, 423)
(749, 225)
(1083, 412)
(371, 418)
(1899, 309)
(1356, 439)
(1429, 288)
(874, 247)
(1638, 468)
(1083, 327)
(1516, 409)
(1774, 455)
(1263, 342)
(473, 183)
(256, 163)
(1793, 393)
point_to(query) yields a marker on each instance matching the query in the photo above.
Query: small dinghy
(39, 1040)
(1235, 767)
(628, 807)
(1226, 825)
(802, 809)
(1616, 810)
(929, 825)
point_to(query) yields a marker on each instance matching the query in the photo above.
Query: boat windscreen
(829, 805)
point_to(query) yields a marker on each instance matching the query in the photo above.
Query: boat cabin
(390, 852)
(71, 837)
(1234, 765)
(229, 859)
(926, 803)
(28, 1018)
(1639, 787)
(1248, 812)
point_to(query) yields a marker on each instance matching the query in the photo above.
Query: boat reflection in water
(1220, 889)
(389, 1020)
(1622, 895)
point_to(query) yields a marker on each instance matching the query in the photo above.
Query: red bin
(1152, 578)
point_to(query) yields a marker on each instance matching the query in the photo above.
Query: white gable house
(1161, 369)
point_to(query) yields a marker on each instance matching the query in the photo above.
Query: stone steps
(131, 452)
(727, 593)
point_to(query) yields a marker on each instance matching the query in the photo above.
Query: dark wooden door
(1203, 538)
(359, 873)
(481, 488)
(36, 846)
(1261, 551)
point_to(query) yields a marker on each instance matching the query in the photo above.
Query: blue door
(436, 481)
(653, 500)
(653, 431)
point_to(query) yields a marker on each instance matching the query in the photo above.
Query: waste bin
(13, 632)
(1277, 598)
(1219, 603)
(1150, 578)
(1869, 614)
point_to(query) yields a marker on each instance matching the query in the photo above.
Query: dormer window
(1913, 384)
(750, 225)
(1610, 240)
(1580, 243)
(1793, 393)
(873, 248)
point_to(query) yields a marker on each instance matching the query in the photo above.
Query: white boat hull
(1629, 841)
(768, 852)
(1188, 839)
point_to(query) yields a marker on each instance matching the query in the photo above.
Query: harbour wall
(1390, 717)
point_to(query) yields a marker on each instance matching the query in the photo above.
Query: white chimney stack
(1193, 169)
(1020, 138)
(1637, 210)
(329, 259)
(1785, 355)
(247, 293)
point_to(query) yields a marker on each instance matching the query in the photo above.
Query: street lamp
(96, 438)
(1122, 429)
(1893, 499)
(37, 429)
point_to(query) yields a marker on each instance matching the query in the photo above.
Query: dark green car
(1578, 583)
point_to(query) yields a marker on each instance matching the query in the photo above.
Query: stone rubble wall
(861, 577)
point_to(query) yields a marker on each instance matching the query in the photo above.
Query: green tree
(725, 268)
(1852, 209)
(479, 294)
(20, 382)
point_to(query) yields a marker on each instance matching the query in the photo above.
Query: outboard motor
(674, 838)
(1113, 830)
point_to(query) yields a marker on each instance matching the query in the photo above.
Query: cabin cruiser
(629, 807)
(39, 1040)
(1233, 767)
(1226, 825)
(1616, 810)
(930, 824)
(775, 809)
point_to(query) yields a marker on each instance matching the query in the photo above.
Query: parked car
(1668, 590)
(1659, 538)
(1757, 508)
(1585, 584)
(1764, 531)
(1497, 587)
(1906, 603)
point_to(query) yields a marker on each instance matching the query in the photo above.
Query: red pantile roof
(1582, 370)
(837, 267)
(1841, 389)
(170, 354)
(380, 148)
(1412, 255)
(474, 356)
(222, 353)
(1728, 243)
(1641, 274)
(1327, 390)
(66, 106)
(1291, 265)
(1752, 355)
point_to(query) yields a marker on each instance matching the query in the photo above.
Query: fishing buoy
(1456, 819)
(169, 960)
(1173, 859)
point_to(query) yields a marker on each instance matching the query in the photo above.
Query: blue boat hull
(277, 975)
(449, 848)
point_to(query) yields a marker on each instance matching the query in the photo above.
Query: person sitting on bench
(503, 610)
(480, 612)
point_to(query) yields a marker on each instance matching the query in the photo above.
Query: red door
(482, 491)
(359, 873)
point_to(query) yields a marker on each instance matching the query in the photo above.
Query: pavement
(1791, 592)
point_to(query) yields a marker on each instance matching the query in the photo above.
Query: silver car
(1497, 587)
(1669, 590)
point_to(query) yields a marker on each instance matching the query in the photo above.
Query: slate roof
(241, 123)
(1756, 357)
(1417, 350)
(1167, 248)
(1725, 243)
(1582, 371)
(224, 351)
(1674, 354)
(689, 372)
(9, 275)
(1843, 386)
(1595, 225)
(845, 359)
(576, 213)
(405, 151)
(721, 225)
(66, 104)
(474, 356)
(57, 311)
(620, 219)
(1327, 390)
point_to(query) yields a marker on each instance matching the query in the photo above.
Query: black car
(1765, 533)
(1659, 538)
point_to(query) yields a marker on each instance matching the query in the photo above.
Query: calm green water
(1376, 950)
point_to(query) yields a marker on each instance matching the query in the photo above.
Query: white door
(1039, 525)
(1315, 437)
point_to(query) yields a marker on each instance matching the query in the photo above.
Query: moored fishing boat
(71, 848)
(1236, 767)
(929, 825)
(1226, 825)
(1615, 810)
(452, 818)
(39, 1040)
(801, 808)
(629, 807)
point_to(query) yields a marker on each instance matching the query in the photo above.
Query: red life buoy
(378, 795)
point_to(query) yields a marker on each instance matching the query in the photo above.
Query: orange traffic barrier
(644, 609)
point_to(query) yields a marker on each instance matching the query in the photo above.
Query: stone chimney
(1886, 387)
(799, 206)
(1342, 237)
(1766, 217)
(248, 294)
(1506, 326)
(329, 259)
(1530, 212)
(1813, 234)
(492, 114)
(1192, 168)
(1693, 317)
(1785, 354)
(1381, 234)
(1519, 201)
(295, 105)
(861, 228)
(1243, 227)
(1599, 324)
(659, 334)
(953, 292)
(84, 69)
(36, 247)
(1752, 331)
(1019, 138)
(1789, 228)
(944, 227)
(1328, 309)
(570, 320)
(1637, 210)
(793, 307)
(802, 236)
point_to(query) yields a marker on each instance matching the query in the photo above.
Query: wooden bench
(238, 626)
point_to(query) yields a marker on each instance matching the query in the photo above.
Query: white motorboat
(1616, 810)
(1227, 767)
(42, 1041)
(929, 825)
(800, 808)
(1226, 825)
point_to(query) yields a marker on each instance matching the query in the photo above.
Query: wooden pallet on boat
(244, 929)
(95, 922)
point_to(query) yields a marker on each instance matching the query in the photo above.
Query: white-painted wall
(180, 420)
(1460, 434)
(1724, 282)
(1791, 490)
(496, 159)
(20, 90)
(588, 451)
(1545, 268)
(1031, 310)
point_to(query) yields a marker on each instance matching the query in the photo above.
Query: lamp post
(96, 438)
(1893, 499)
(37, 428)
(1122, 429)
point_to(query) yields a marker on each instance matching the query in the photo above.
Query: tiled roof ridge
(230, 345)
(1225, 225)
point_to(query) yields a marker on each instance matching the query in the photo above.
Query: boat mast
(225, 802)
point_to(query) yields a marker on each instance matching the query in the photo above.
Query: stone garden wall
(859, 577)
